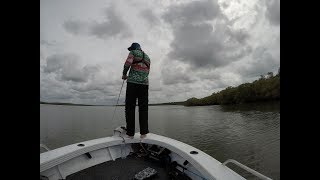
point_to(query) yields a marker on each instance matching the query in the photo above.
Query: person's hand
(124, 77)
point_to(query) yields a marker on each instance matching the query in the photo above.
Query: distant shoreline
(265, 89)
(71, 104)
(160, 104)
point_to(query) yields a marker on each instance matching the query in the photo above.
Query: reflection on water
(247, 133)
(263, 107)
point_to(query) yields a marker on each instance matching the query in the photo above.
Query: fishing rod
(117, 101)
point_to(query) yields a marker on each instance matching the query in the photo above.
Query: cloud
(93, 85)
(224, 5)
(67, 67)
(54, 90)
(65, 79)
(201, 43)
(197, 47)
(76, 27)
(150, 17)
(47, 43)
(196, 11)
(273, 11)
(111, 26)
(172, 74)
(261, 62)
(239, 35)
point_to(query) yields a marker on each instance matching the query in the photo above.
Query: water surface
(249, 134)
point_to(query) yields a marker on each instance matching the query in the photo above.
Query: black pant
(133, 92)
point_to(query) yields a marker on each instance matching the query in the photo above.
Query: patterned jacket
(140, 67)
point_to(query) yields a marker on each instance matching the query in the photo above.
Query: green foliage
(192, 102)
(265, 89)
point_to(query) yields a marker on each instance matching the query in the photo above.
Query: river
(247, 133)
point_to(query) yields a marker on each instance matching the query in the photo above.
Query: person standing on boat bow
(137, 88)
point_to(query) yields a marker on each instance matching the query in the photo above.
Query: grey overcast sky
(196, 47)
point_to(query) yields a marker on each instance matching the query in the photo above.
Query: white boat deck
(119, 169)
(202, 162)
